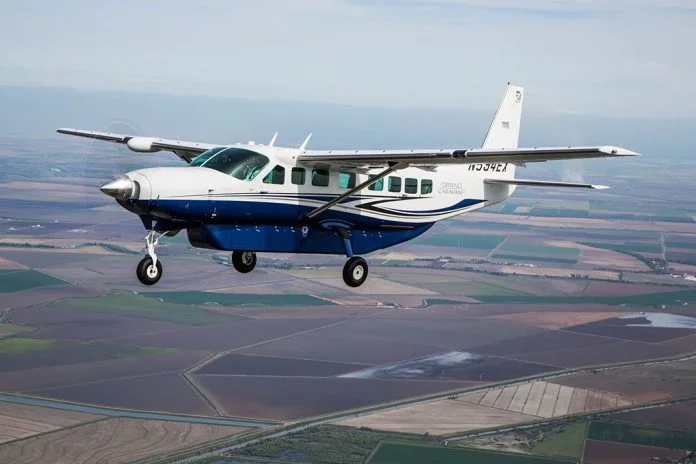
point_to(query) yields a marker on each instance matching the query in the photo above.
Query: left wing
(187, 151)
(364, 158)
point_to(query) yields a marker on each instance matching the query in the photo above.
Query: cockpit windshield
(205, 156)
(237, 162)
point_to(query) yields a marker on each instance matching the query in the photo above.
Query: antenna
(304, 144)
(273, 139)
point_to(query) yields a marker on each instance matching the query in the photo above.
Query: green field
(328, 444)
(682, 245)
(568, 442)
(237, 299)
(402, 453)
(481, 242)
(135, 305)
(25, 279)
(527, 248)
(545, 259)
(642, 435)
(25, 345)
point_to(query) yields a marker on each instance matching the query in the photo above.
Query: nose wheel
(355, 271)
(244, 261)
(149, 272)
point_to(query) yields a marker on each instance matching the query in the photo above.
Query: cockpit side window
(276, 176)
(237, 162)
(205, 156)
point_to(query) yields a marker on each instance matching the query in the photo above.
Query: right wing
(187, 151)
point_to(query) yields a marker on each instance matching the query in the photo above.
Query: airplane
(249, 198)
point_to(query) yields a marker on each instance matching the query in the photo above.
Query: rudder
(504, 131)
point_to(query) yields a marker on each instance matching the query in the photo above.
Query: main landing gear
(355, 271)
(149, 270)
(244, 261)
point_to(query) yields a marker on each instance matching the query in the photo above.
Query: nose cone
(121, 188)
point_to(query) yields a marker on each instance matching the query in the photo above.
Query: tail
(504, 131)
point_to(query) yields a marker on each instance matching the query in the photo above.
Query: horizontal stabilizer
(543, 183)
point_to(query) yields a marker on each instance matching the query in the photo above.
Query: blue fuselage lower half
(278, 223)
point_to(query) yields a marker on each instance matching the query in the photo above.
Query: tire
(244, 261)
(355, 271)
(147, 273)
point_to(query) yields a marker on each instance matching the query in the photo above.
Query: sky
(585, 57)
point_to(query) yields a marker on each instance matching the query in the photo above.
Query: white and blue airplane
(249, 198)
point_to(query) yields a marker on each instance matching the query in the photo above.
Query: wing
(184, 150)
(543, 183)
(521, 156)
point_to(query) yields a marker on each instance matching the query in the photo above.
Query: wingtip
(600, 187)
(618, 151)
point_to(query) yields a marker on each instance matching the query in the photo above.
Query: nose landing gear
(149, 270)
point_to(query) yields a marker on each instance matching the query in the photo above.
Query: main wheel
(148, 273)
(355, 271)
(244, 261)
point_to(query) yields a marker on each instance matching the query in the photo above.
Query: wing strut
(371, 180)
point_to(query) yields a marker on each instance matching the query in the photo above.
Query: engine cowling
(142, 144)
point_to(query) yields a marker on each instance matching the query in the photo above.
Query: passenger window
(394, 184)
(320, 177)
(426, 186)
(276, 176)
(346, 180)
(377, 186)
(411, 185)
(298, 176)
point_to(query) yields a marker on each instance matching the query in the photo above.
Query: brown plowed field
(227, 336)
(338, 345)
(110, 441)
(549, 341)
(682, 415)
(67, 324)
(158, 392)
(603, 354)
(21, 420)
(646, 383)
(300, 397)
(605, 452)
(239, 364)
(555, 320)
(57, 376)
(617, 328)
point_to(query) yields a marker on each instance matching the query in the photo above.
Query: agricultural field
(112, 440)
(20, 421)
(400, 453)
(527, 402)
(25, 279)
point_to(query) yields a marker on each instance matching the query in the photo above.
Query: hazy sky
(609, 57)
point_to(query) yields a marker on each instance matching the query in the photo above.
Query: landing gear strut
(244, 261)
(149, 270)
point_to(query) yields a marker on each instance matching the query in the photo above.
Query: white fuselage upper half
(281, 188)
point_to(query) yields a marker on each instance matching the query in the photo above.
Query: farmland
(534, 286)
(109, 440)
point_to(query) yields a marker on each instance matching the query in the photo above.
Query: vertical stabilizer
(504, 131)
